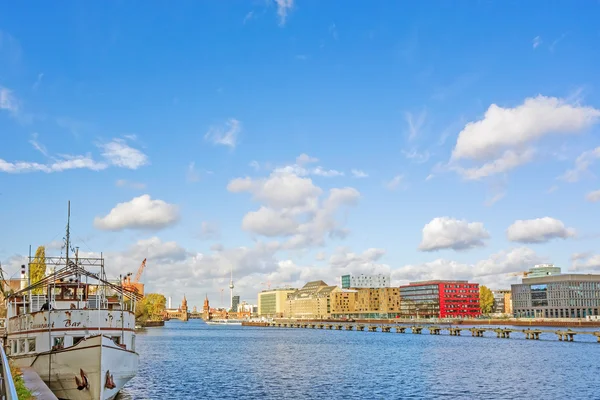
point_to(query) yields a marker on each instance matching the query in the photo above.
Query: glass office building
(557, 296)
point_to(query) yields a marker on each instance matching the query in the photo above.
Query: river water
(196, 361)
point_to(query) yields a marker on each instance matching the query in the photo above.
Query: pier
(567, 335)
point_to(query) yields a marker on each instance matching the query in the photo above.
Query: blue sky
(463, 119)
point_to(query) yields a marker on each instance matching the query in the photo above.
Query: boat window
(59, 343)
(22, 348)
(116, 339)
(31, 343)
(133, 343)
(77, 339)
(68, 293)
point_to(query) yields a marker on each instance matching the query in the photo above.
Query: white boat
(77, 332)
(224, 322)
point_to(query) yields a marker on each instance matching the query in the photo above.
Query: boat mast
(67, 238)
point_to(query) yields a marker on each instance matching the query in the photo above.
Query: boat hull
(98, 357)
(223, 322)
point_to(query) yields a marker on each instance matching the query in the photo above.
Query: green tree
(486, 300)
(151, 307)
(37, 268)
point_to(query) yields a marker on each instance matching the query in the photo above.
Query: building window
(31, 345)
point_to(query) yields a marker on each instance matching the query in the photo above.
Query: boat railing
(7, 383)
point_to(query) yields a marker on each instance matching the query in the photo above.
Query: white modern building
(366, 281)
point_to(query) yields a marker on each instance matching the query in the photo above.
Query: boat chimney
(23, 277)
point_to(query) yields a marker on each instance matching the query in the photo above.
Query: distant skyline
(295, 140)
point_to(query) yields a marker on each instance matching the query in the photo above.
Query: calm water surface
(196, 361)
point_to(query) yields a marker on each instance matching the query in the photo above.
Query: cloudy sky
(294, 140)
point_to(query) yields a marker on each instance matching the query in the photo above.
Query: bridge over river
(477, 331)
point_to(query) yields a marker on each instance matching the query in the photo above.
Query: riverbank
(150, 324)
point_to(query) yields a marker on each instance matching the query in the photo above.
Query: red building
(440, 299)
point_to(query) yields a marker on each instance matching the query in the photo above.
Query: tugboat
(75, 328)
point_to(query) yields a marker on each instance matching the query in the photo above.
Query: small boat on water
(75, 328)
(224, 322)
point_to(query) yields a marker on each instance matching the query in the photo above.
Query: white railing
(7, 384)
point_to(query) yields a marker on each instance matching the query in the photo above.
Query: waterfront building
(365, 281)
(557, 296)
(502, 301)
(272, 302)
(440, 299)
(366, 303)
(312, 301)
(234, 303)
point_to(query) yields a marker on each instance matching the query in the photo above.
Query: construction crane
(135, 286)
(267, 284)
(522, 273)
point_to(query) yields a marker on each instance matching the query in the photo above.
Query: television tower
(231, 289)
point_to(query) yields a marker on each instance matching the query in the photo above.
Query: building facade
(313, 301)
(502, 301)
(365, 281)
(235, 301)
(440, 299)
(272, 302)
(366, 303)
(557, 296)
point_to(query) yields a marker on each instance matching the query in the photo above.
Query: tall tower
(231, 289)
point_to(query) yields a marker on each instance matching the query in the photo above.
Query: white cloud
(254, 164)
(449, 233)
(225, 136)
(344, 261)
(506, 135)
(192, 175)
(394, 182)
(62, 163)
(305, 159)
(585, 262)
(492, 271)
(320, 171)
(593, 197)
(38, 81)
(504, 128)
(320, 256)
(130, 184)
(8, 101)
(120, 154)
(582, 164)
(536, 41)
(248, 16)
(415, 123)
(283, 8)
(509, 160)
(280, 190)
(37, 145)
(333, 31)
(270, 222)
(140, 213)
(539, 230)
(292, 207)
(417, 157)
(209, 231)
(357, 173)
